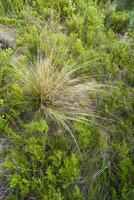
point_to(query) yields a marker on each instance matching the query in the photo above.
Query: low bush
(49, 88)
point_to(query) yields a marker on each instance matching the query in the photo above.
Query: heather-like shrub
(49, 88)
(37, 169)
(119, 21)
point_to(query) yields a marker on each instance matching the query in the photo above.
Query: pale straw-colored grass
(56, 92)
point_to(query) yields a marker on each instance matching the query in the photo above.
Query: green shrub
(95, 161)
(87, 24)
(36, 170)
(119, 21)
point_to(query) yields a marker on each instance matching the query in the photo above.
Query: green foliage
(131, 24)
(37, 126)
(119, 21)
(123, 169)
(87, 24)
(38, 160)
(36, 170)
(3, 123)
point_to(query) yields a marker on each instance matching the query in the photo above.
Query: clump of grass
(56, 91)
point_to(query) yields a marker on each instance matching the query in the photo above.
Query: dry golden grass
(56, 91)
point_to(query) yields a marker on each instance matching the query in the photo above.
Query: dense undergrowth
(71, 138)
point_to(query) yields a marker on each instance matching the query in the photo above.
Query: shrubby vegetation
(66, 100)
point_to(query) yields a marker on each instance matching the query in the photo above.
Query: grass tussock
(57, 92)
